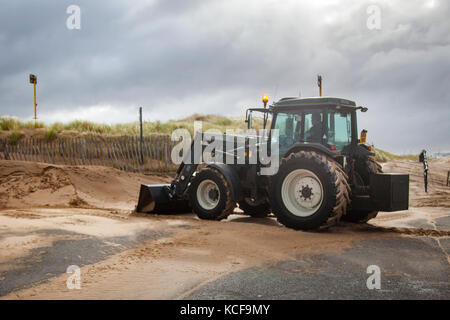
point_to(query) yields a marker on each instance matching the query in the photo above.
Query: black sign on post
(33, 78)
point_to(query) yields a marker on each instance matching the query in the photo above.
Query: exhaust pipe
(155, 198)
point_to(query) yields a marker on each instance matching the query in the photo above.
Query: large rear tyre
(256, 210)
(364, 168)
(210, 195)
(310, 191)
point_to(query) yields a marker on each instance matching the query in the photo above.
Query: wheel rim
(208, 194)
(302, 192)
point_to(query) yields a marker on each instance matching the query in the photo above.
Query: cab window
(339, 128)
(289, 129)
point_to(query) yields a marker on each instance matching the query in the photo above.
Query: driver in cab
(314, 134)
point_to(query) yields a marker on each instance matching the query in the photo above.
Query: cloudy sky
(177, 57)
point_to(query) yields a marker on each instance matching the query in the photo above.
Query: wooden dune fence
(123, 153)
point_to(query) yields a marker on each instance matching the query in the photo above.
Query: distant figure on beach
(423, 158)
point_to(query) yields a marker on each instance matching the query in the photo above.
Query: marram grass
(15, 126)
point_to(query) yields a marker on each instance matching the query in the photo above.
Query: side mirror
(363, 109)
(249, 121)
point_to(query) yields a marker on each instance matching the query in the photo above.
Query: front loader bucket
(154, 198)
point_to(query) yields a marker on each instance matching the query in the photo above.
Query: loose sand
(98, 202)
(172, 267)
(30, 184)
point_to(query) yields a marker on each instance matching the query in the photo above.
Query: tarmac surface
(77, 249)
(413, 262)
(410, 268)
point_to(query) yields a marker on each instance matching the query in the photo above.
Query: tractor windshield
(327, 127)
(289, 130)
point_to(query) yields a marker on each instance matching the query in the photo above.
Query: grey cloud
(179, 57)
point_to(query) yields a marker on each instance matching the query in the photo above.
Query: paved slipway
(124, 255)
(173, 257)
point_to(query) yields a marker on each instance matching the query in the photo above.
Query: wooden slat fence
(122, 153)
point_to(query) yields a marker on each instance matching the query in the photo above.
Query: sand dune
(30, 184)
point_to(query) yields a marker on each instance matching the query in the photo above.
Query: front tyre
(210, 195)
(310, 191)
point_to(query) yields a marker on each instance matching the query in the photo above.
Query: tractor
(326, 173)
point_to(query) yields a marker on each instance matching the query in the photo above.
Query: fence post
(115, 157)
(41, 151)
(6, 152)
(48, 153)
(67, 149)
(12, 155)
(133, 152)
(99, 147)
(158, 151)
(141, 136)
(149, 149)
(139, 155)
(82, 147)
(35, 153)
(61, 151)
(90, 155)
(166, 158)
(135, 144)
(76, 152)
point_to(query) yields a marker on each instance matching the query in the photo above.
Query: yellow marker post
(33, 80)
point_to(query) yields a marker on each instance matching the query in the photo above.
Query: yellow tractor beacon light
(265, 99)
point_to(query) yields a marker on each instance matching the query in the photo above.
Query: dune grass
(384, 156)
(12, 123)
(218, 122)
(14, 127)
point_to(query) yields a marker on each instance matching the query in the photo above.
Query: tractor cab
(328, 123)
(325, 123)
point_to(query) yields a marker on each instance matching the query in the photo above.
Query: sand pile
(30, 184)
(438, 193)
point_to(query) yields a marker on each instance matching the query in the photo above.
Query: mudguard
(310, 147)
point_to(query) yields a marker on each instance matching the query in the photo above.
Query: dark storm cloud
(179, 57)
